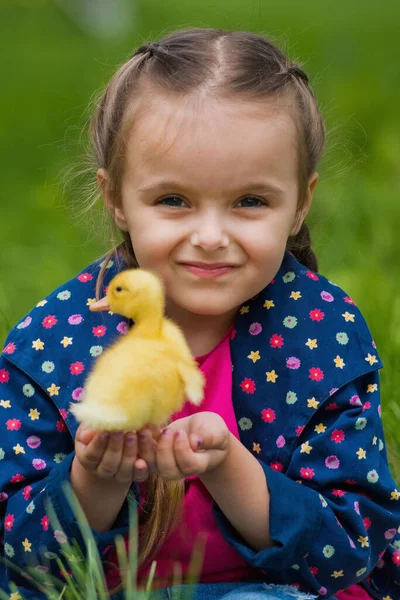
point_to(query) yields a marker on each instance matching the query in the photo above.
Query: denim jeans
(228, 591)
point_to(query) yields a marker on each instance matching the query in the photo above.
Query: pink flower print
(316, 374)
(49, 322)
(3, 497)
(332, 406)
(317, 315)
(293, 363)
(63, 413)
(312, 275)
(13, 424)
(255, 328)
(33, 441)
(248, 386)
(337, 436)
(39, 464)
(327, 297)
(9, 522)
(307, 473)
(367, 523)
(357, 507)
(76, 368)
(75, 319)
(332, 391)
(25, 323)
(280, 442)
(268, 415)
(77, 394)
(122, 327)
(26, 492)
(352, 544)
(277, 466)
(276, 341)
(4, 376)
(17, 478)
(332, 462)
(350, 301)
(396, 558)
(84, 277)
(314, 571)
(99, 331)
(355, 401)
(379, 409)
(366, 406)
(10, 348)
(373, 344)
(60, 536)
(390, 533)
(299, 430)
(45, 522)
(61, 426)
(322, 591)
(338, 493)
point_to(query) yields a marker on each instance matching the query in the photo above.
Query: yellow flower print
(90, 301)
(361, 454)
(348, 317)
(38, 344)
(295, 295)
(256, 448)
(15, 596)
(306, 448)
(269, 304)
(5, 403)
(271, 376)
(254, 355)
(27, 545)
(339, 362)
(244, 310)
(41, 303)
(312, 403)
(371, 359)
(372, 387)
(395, 495)
(363, 541)
(34, 414)
(311, 343)
(18, 449)
(337, 574)
(53, 389)
(374, 440)
(66, 341)
(320, 428)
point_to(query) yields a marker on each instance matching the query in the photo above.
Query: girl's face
(215, 184)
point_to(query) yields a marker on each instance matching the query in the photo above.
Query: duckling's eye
(118, 289)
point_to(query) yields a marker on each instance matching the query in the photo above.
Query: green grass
(52, 68)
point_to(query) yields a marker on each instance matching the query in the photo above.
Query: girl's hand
(189, 446)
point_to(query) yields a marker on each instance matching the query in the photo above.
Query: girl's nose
(209, 236)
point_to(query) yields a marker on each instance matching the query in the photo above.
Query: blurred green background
(56, 54)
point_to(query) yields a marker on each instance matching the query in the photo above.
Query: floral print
(306, 398)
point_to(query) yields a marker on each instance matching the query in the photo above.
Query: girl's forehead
(203, 130)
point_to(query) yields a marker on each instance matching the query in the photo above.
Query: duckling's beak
(100, 305)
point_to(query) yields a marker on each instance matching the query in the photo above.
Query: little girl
(206, 146)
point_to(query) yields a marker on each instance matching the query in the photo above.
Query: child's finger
(188, 462)
(166, 462)
(146, 449)
(140, 471)
(111, 459)
(129, 454)
(90, 455)
(85, 434)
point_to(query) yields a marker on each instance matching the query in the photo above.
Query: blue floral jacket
(306, 398)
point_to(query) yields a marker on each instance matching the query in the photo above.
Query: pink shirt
(221, 563)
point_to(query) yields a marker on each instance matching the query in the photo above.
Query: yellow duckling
(147, 375)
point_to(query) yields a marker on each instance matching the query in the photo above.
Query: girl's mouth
(208, 270)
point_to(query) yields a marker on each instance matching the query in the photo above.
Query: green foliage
(52, 68)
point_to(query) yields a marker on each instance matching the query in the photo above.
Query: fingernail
(131, 438)
(179, 434)
(199, 441)
(166, 431)
(104, 437)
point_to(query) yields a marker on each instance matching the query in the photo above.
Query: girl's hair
(227, 64)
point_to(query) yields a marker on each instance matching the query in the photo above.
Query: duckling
(147, 375)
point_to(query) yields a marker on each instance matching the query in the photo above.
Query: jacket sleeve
(336, 508)
(36, 453)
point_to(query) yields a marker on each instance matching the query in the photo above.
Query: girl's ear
(116, 211)
(301, 215)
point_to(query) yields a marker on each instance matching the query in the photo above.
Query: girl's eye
(251, 201)
(172, 201)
